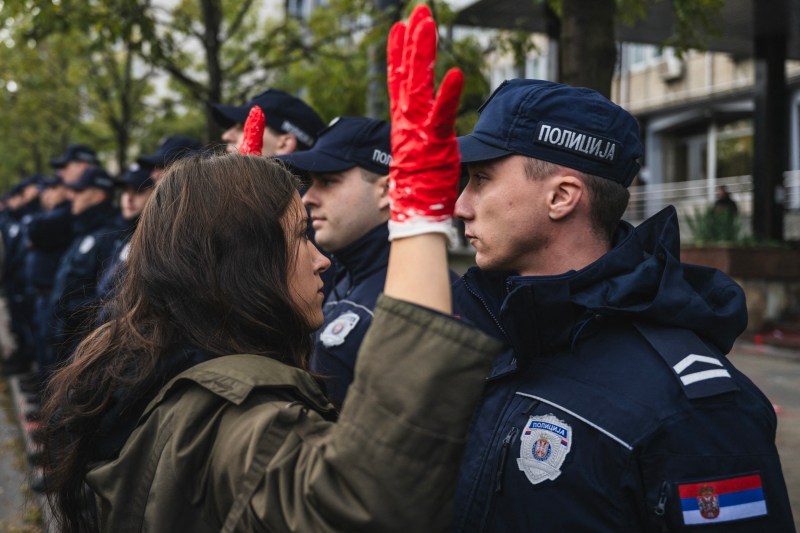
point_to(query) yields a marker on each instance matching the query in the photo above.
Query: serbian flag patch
(722, 500)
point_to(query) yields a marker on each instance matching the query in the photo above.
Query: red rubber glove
(253, 139)
(423, 177)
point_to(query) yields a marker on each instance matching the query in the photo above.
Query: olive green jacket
(242, 443)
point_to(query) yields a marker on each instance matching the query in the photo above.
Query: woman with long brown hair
(190, 409)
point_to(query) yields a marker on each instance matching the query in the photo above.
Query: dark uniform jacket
(50, 234)
(360, 274)
(115, 268)
(73, 295)
(613, 407)
(246, 443)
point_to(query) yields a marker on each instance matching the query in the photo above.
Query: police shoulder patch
(86, 244)
(545, 443)
(126, 250)
(337, 330)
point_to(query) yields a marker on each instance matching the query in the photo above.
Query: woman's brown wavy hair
(208, 266)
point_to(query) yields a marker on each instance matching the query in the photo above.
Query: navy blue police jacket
(49, 234)
(115, 269)
(15, 241)
(358, 279)
(613, 407)
(73, 295)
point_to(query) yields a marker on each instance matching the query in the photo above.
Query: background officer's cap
(137, 177)
(93, 177)
(346, 143)
(169, 150)
(75, 152)
(283, 112)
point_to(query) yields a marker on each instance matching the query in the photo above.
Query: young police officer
(348, 204)
(613, 407)
(94, 232)
(291, 124)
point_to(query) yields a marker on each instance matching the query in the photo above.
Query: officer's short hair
(369, 176)
(607, 199)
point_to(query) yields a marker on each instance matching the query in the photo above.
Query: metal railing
(689, 197)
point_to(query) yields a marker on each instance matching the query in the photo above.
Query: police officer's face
(505, 215)
(132, 201)
(344, 206)
(273, 143)
(84, 199)
(233, 137)
(52, 196)
(306, 265)
(72, 171)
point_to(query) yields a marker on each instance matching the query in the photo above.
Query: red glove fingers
(446, 105)
(253, 139)
(423, 179)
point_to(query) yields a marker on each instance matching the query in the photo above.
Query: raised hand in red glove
(253, 139)
(423, 180)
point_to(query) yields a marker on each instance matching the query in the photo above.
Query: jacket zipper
(661, 506)
(501, 465)
(485, 306)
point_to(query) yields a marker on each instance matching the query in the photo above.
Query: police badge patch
(545, 443)
(336, 332)
(86, 244)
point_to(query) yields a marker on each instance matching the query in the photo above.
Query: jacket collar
(641, 278)
(234, 377)
(91, 219)
(365, 256)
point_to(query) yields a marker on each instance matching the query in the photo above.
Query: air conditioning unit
(671, 69)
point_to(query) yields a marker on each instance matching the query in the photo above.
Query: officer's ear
(287, 143)
(383, 185)
(564, 195)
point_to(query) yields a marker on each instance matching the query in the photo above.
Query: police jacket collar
(543, 314)
(365, 256)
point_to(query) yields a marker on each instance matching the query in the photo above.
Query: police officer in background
(169, 150)
(291, 124)
(137, 186)
(49, 235)
(23, 203)
(94, 231)
(348, 204)
(614, 407)
(74, 162)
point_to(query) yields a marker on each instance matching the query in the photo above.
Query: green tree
(587, 41)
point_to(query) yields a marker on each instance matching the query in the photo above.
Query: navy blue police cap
(24, 183)
(75, 152)
(137, 177)
(169, 150)
(282, 111)
(346, 143)
(50, 182)
(574, 127)
(94, 177)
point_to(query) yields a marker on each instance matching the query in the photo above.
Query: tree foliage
(120, 74)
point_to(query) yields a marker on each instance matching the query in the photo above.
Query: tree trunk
(377, 96)
(588, 46)
(212, 18)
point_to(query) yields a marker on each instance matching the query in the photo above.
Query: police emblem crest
(545, 443)
(336, 332)
(708, 502)
(86, 244)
